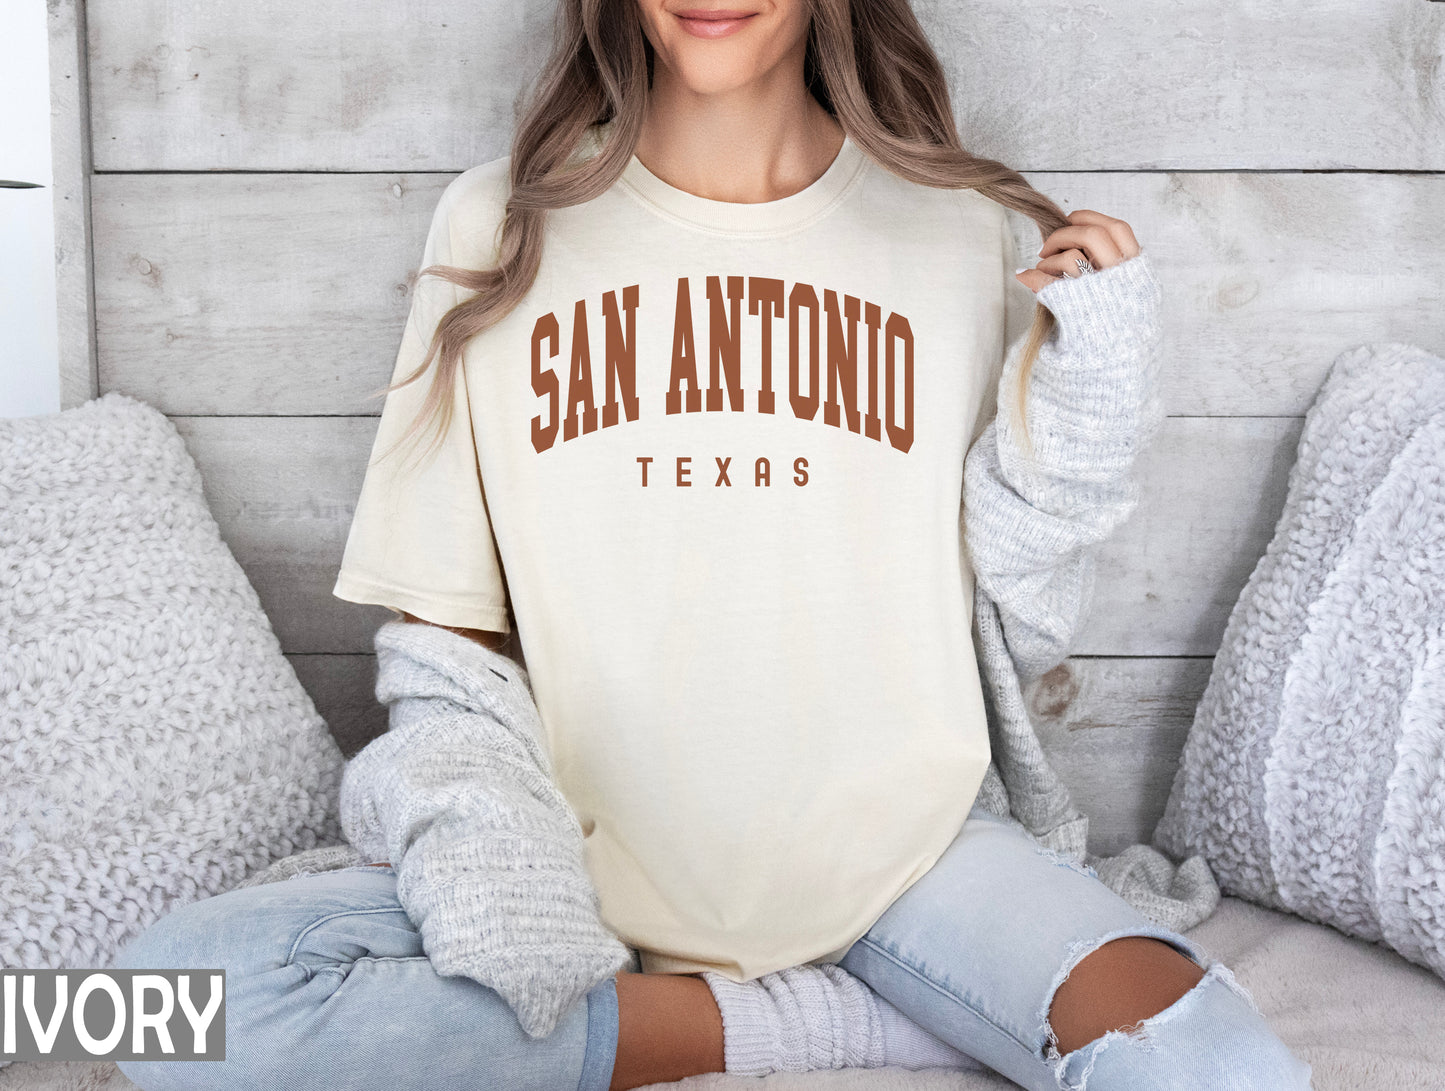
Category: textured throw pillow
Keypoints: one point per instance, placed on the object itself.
(1313, 778)
(155, 745)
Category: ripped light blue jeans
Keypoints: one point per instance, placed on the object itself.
(975, 949)
(328, 986)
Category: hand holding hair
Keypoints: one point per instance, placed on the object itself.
(1090, 237)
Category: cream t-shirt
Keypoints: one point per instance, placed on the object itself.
(711, 467)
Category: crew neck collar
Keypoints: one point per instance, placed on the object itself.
(788, 213)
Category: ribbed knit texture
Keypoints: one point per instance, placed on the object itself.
(820, 1016)
(459, 796)
(1092, 405)
(1032, 523)
(797, 1020)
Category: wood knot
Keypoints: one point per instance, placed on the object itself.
(1055, 691)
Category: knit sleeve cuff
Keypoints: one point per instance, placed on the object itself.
(1092, 398)
(1099, 311)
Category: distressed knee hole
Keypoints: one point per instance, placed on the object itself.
(1072, 1069)
(1082, 1055)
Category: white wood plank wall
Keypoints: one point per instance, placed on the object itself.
(263, 175)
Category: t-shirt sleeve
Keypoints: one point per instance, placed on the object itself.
(421, 537)
(1018, 315)
(1019, 300)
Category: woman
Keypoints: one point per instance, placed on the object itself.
(732, 315)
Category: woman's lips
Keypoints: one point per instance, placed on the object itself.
(703, 23)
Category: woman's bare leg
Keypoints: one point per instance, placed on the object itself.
(669, 1028)
(1119, 984)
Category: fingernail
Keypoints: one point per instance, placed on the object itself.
(1022, 269)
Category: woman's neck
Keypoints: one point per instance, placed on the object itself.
(733, 148)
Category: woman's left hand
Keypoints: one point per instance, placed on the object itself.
(1102, 240)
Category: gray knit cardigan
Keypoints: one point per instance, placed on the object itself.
(459, 795)
(1031, 525)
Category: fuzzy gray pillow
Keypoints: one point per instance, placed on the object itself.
(156, 746)
(1313, 778)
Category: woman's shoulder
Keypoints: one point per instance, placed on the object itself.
(470, 210)
(981, 204)
(475, 201)
(480, 191)
(930, 216)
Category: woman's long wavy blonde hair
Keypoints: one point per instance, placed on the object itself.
(868, 63)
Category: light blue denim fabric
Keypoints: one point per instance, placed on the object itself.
(327, 986)
(975, 949)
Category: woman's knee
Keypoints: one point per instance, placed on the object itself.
(194, 935)
(1118, 984)
(254, 929)
(272, 943)
(1211, 1033)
